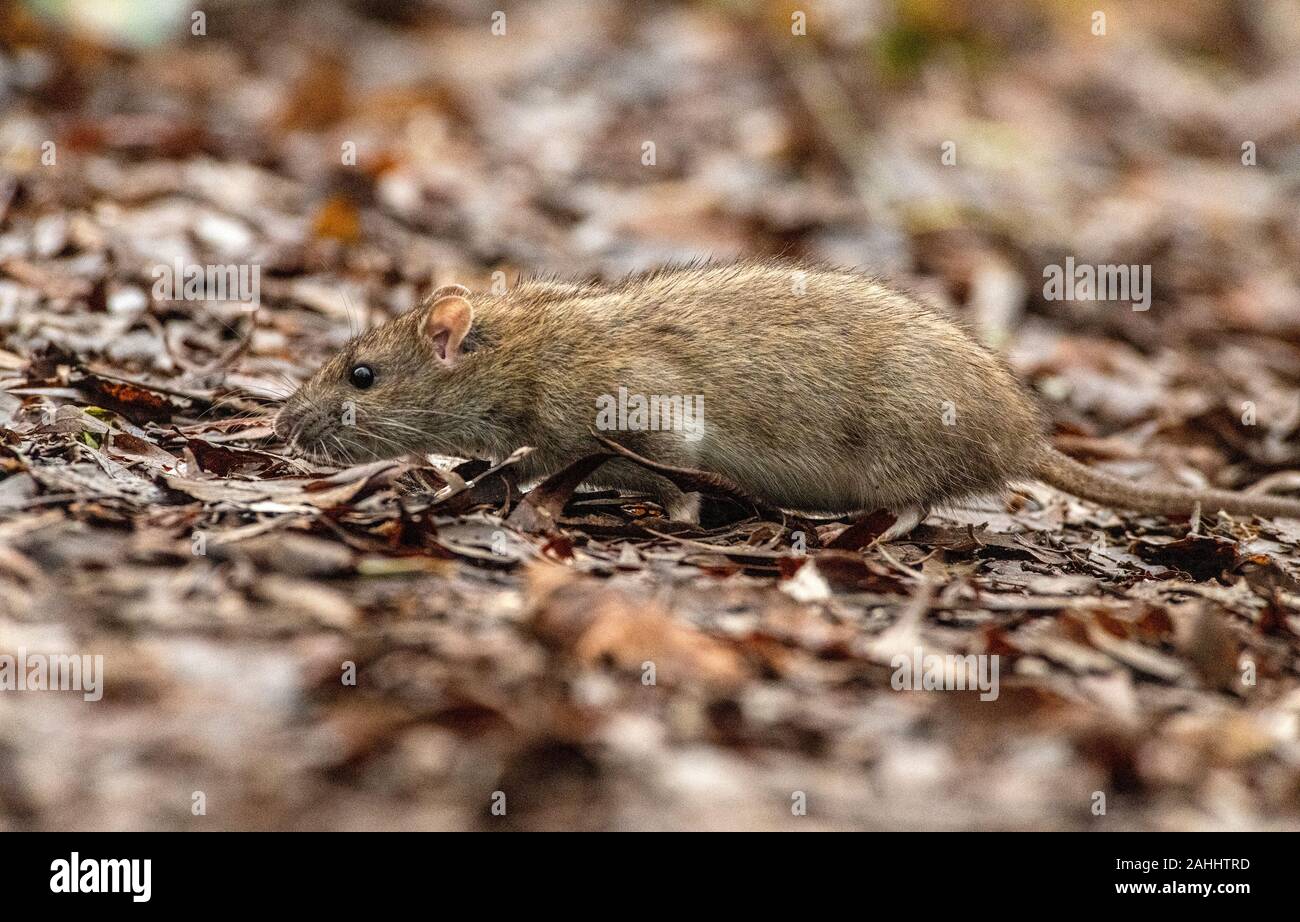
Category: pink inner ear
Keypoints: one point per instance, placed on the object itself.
(447, 323)
(440, 340)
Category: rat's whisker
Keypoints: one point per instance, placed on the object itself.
(383, 439)
(437, 413)
(354, 319)
(228, 400)
(293, 385)
(394, 424)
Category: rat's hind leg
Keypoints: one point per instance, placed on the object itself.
(624, 475)
(684, 507)
(908, 518)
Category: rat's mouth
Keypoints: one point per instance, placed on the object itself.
(315, 438)
(315, 450)
(321, 451)
(334, 449)
(308, 453)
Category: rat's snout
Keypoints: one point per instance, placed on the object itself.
(296, 422)
(311, 430)
(291, 422)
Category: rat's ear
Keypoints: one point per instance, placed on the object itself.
(446, 325)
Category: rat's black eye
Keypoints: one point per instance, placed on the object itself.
(361, 376)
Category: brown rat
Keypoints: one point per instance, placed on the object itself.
(817, 390)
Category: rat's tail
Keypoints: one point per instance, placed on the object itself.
(1069, 475)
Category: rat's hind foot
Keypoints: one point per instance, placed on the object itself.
(908, 518)
(683, 507)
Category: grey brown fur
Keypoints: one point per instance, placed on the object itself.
(823, 391)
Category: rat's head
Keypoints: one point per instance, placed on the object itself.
(403, 387)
